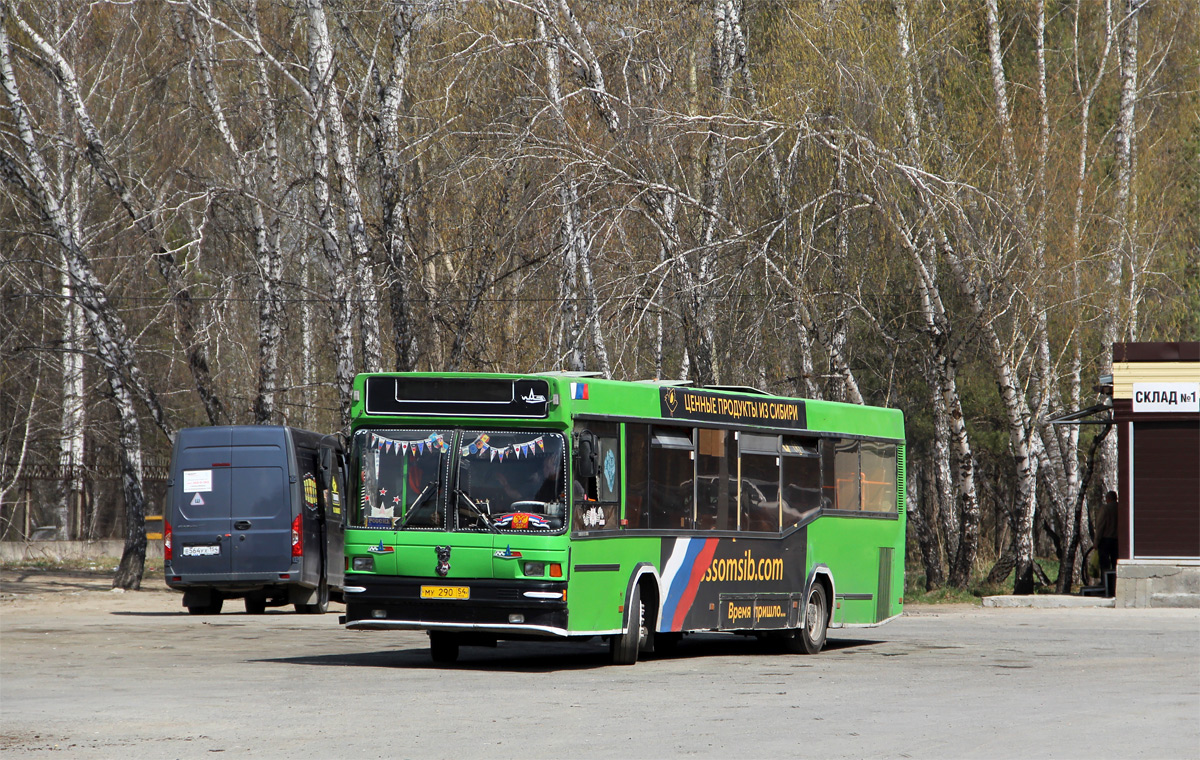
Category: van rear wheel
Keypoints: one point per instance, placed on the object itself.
(443, 647)
(256, 604)
(212, 608)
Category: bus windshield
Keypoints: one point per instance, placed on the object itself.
(500, 480)
(516, 479)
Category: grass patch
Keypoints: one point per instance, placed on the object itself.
(977, 588)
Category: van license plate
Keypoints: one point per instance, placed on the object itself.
(445, 592)
(203, 550)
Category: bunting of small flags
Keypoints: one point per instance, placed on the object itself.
(481, 447)
(434, 443)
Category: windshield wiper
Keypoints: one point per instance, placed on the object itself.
(462, 497)
(413, 509)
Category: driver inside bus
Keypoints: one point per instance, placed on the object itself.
(539, 483)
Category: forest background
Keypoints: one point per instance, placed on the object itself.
(218, 212)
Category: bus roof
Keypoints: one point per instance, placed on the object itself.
(463, 398)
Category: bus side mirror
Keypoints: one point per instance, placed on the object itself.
(585, 455)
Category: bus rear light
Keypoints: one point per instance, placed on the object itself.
(297, 537)
(167, 551)
(555, 570)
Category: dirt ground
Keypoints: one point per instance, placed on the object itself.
(89, 672)
(78, 592)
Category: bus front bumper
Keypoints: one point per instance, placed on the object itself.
(502, 607)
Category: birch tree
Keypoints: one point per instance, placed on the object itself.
(108, 331)
(163, 255)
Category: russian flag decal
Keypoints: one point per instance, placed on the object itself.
(579, 391)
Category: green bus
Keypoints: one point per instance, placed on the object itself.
(566, 506)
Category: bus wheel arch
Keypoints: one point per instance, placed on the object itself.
(640, 620)
(816, 614)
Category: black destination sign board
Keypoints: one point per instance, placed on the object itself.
(457, 397)
(689, 404)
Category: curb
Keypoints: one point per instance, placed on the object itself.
(1048, 601)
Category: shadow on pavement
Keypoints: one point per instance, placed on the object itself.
(548, 657)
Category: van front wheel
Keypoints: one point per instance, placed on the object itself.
(322, 605)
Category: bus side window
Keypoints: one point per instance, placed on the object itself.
(878, 476)
(800, 479)
(597, 500)
(672, 478)
(637, 477)
(840, 474)
(716, 480)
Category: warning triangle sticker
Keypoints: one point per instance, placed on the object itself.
(197, 500)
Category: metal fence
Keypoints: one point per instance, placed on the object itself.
(95, 510)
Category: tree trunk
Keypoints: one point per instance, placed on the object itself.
(922, 508)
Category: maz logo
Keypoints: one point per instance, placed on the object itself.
(533, 398)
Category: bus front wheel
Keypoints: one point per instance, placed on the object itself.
(810, 637)
(624, 647)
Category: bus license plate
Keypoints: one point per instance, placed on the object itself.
(202, 550)
(445, 592)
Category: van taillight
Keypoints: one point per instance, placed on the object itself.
(297, 538)
(166, 541)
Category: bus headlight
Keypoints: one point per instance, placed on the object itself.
(363, 564)
(535, 569)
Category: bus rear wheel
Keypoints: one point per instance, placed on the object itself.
(810, 637)
(443, 647)
(624, 647)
